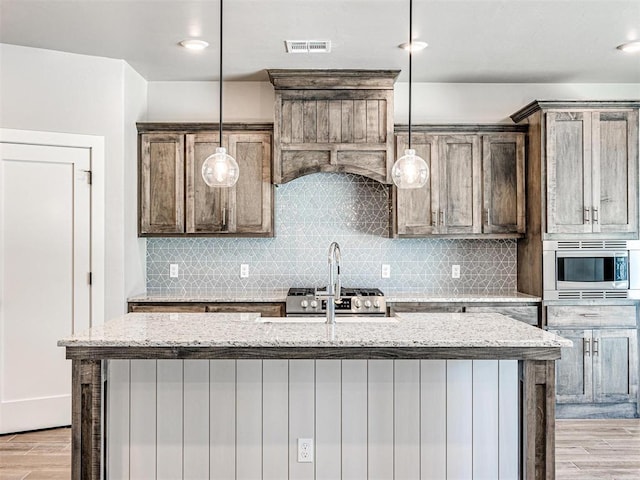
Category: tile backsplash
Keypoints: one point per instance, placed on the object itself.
(310, 213)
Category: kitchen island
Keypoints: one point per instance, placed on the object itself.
(417, 394)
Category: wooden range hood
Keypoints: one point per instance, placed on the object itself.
(333, 121)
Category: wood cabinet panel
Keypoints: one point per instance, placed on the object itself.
(574, 374)
(503, 183)
(527, 314)
(469, 175)
(161, 194)
(266, 309)
(416, 209)
(615, 182)
(615, 365)
(205, 205)
(460, 198)
(175, 200)
(579, 316)
(568, 172)
(251, 199)
(592, 172)
(333, 121)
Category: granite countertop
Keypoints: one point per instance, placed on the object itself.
(391, 296)
(432, 330)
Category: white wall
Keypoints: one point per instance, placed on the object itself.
(61, 92)
(135, 110)
(432, 102)
(198, 101)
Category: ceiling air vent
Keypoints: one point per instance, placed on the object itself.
(308, 46)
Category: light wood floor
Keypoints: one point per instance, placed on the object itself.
(585, 450)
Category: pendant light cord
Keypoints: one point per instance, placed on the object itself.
(410, 58)
(220, 79)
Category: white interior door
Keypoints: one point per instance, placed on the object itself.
(45, 248)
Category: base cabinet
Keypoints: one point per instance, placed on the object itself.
(598, 375)
(265, 309)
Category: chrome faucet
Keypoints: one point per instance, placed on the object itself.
(332, 294)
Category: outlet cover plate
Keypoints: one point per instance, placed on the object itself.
(244, 270)
(173, 270)
(305, 450)
(385, 272)
(455, 271)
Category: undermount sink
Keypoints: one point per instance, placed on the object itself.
(323, 320)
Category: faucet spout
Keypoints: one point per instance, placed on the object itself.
(334, 289)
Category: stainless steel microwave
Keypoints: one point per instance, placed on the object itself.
(591, 269)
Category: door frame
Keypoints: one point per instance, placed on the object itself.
(95, 145)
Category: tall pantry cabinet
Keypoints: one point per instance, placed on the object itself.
(582, 189)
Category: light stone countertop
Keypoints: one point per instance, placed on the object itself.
(392, 296)
(250, 330)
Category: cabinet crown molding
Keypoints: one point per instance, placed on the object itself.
(313, 79)
(536, 105)
(192, 127)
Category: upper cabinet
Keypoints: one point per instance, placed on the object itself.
(333, 121)
(174, 200)
(475, 187)
(585, 159)
(591, 171)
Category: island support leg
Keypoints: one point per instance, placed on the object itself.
(86, 420)
(538, 426)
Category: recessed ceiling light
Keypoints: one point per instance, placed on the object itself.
(414, 46)
(193, 44)
(630, 47)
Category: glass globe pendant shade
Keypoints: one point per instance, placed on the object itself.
(220, 169)
(410, 171)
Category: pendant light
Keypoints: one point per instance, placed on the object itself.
(410, 170)
(220, 169)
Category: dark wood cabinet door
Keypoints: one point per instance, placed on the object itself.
(161, 187)
(251, 199)
(569, 172)
(206, 207)
(615, 365)
(460, 187)
(503, 183)
(615, 175)
(416, 212)
(574, 370)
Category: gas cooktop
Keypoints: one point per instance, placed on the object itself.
(354, 301)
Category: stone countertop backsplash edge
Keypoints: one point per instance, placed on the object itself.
(280, 296)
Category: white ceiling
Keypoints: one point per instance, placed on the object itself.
(511, 41)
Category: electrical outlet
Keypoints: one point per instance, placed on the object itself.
(305, 450)
(386, 271)
(244, 270)
(455, 271)
(173, 270)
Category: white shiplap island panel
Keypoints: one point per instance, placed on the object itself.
(370, 419)
(227, 396)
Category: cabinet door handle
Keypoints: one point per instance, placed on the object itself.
(441, 218)
(595, 215)
(224, 217)
(587, 216)
(587, 346)
(434, 218)
(589, 314)
(488, 216)
(595, 346)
